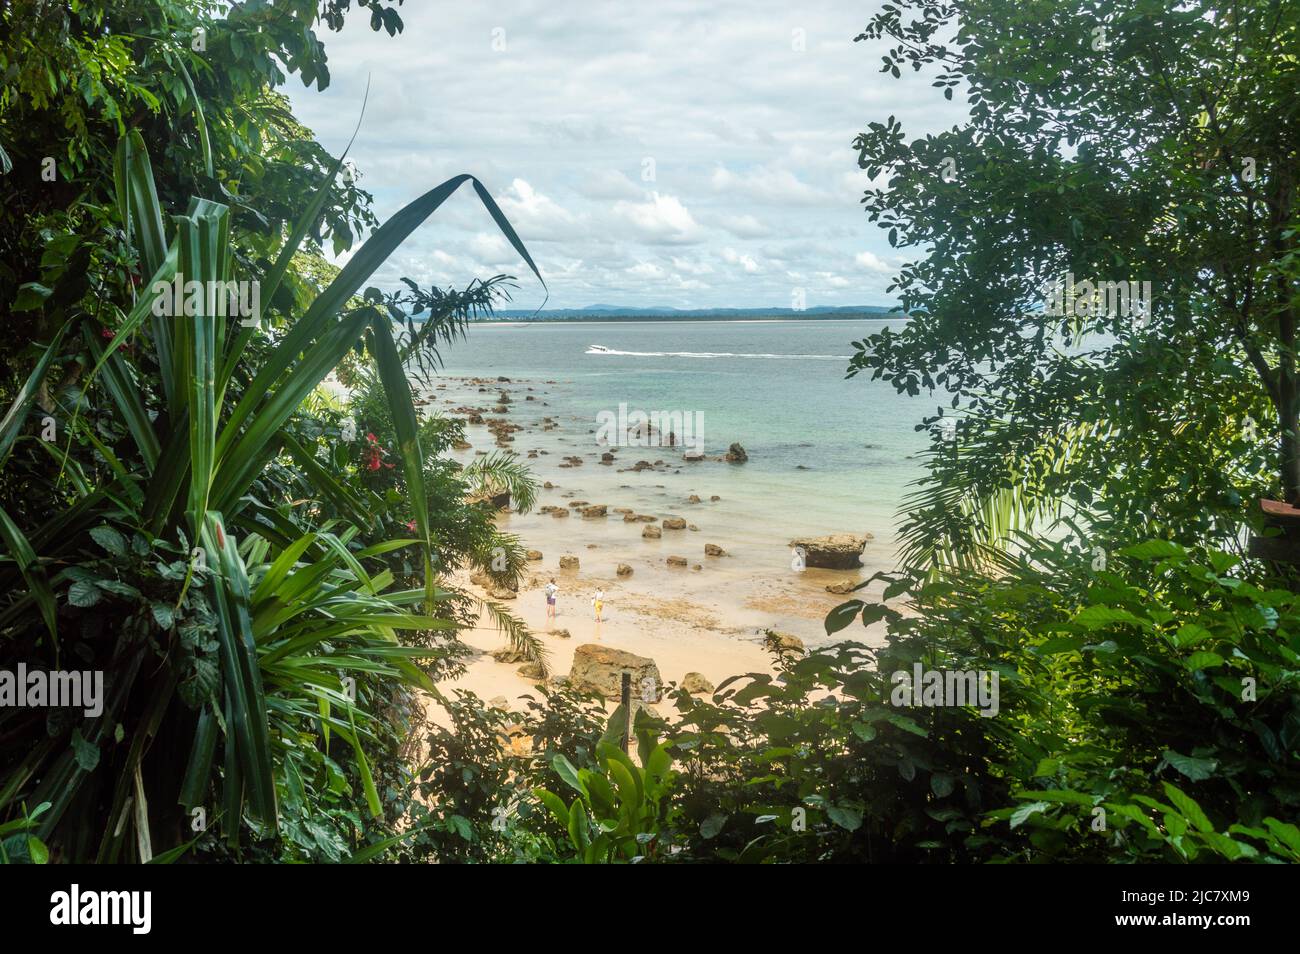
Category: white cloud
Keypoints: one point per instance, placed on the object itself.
(768, 185)
(744, 226)
(739, 258)
(872, 263)
(659, 219)
(755, 180)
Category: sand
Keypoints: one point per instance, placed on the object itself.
(707, 617)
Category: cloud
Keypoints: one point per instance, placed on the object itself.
(535, 216)
(768, 185)
(872, 263)
(660, 219)
(744, 226)
(746, 262)
(755, 178)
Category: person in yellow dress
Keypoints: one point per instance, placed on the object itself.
(597, 602)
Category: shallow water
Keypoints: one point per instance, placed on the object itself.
(826, 454)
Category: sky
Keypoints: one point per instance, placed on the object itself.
(673, 154)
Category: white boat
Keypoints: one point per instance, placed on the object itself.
(597, 349)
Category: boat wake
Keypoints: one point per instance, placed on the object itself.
(601, 349)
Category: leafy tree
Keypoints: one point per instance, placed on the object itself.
(1118, 141)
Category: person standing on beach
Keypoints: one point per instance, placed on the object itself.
(551, 591)
(597, 602)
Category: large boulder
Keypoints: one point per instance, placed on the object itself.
(783, 642)
(568, 563)
(532, 670)
(651, 533)
(694, 682)
(595, 510)
(599, 669)
(674, 523)
(839, 551)
(736, 454)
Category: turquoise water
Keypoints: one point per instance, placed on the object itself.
(826, 455)
(776, 387)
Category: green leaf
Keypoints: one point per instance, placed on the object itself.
(1096, 617)
(1023, 813)
(83, 593)
(564, 768)
(1153, 550)
(110, 540)
(850, 819)
(843, 615)
(1198, 770)
(163, 615)
(85, 753)
(712, 826)
(20, 550)
(16, 416)
(36, 851)
(1191, 811)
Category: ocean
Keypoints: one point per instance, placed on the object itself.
(826, 454)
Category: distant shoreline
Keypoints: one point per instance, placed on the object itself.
(515, 319)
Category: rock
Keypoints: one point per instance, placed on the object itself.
(694, 682)
(697, 567)
(559, 512)
(548, 486)
(712, 549)
(508, 656)
(842, 587)
(599, 669)
(839, 551)
(647, 517)
(598, 510)
(736, 454)
(715, 498)
(532, 670)
(623, 570)
(560, 633)
(676, 561)
(534, 554)
(693, 498)
(674, 523)
(629, 518)
(650, 533)
(501, 501)
(783, 642)
(461, 445)
(607, 458)
(502, 593)
(568, 563)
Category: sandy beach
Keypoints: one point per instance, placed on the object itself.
(697, 598)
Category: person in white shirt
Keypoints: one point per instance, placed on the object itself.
(597, 602)
(551, 591)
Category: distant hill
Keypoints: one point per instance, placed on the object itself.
(624, 313)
